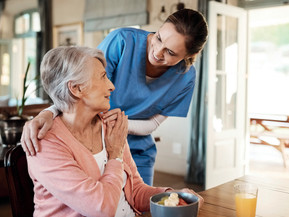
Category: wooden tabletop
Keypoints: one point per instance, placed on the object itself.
(272, 201)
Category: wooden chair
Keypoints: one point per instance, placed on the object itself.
(269, 135)
(20, 185)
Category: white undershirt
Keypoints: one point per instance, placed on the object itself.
(150, 79)
(145, 127)
(123, 207)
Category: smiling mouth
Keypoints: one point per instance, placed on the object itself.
(157, 59)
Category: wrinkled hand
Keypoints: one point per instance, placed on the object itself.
(110, 116)
(187, 190)
(34, 130)
(116, 135)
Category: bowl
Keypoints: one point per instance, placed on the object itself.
(190, 210)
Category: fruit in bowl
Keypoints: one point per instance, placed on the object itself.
(172, 200)
(174, 204)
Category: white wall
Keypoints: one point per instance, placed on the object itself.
(67, 11)
(154, 7)
(173, 147)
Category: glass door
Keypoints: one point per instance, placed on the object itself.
(226, 94)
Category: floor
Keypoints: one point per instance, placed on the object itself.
(267, 161)
(174, 181)
(5, 210)
(264, 161)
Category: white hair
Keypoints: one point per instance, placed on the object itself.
(63, 64)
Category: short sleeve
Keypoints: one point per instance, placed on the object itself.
(180, 105)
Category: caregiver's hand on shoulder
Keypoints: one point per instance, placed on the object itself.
(34, 130)
(116, 135)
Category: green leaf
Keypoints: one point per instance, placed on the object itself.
(23, 98)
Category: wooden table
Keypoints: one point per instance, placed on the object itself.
(272, 201)
(273, 198)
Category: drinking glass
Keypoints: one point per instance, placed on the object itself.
(245, 199)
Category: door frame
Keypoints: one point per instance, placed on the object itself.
(214, 177)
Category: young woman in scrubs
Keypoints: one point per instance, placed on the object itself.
(153, 77)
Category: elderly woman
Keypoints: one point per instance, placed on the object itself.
(85, 167)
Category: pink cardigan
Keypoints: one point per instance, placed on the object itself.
(67, 180)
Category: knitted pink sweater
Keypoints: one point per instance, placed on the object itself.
(67, 180)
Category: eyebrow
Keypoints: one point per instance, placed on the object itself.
(159, 36)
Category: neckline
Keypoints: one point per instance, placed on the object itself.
(76, 140)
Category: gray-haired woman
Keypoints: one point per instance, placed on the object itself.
(85, 167)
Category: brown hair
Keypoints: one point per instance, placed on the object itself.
(193, 26)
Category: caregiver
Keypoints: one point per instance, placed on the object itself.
(154, 78)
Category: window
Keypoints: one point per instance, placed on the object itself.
(23, 50)
(5, 67)
(269, 61)
(27, 23)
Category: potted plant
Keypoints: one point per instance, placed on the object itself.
(12, 122)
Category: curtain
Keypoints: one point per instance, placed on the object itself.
(2, 6)
(44, 38)
(45, 13)
(100, 15)
(197, 149)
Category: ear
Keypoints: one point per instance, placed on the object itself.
(74, 89)
(190, 59)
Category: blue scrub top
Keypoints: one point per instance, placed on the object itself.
(169, 95)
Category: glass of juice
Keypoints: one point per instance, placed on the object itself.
(245, 199)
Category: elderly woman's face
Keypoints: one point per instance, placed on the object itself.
(98, 92)
(166, 47)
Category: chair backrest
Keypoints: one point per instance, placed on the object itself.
(19, 183)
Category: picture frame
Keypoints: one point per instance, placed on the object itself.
(68, 35)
